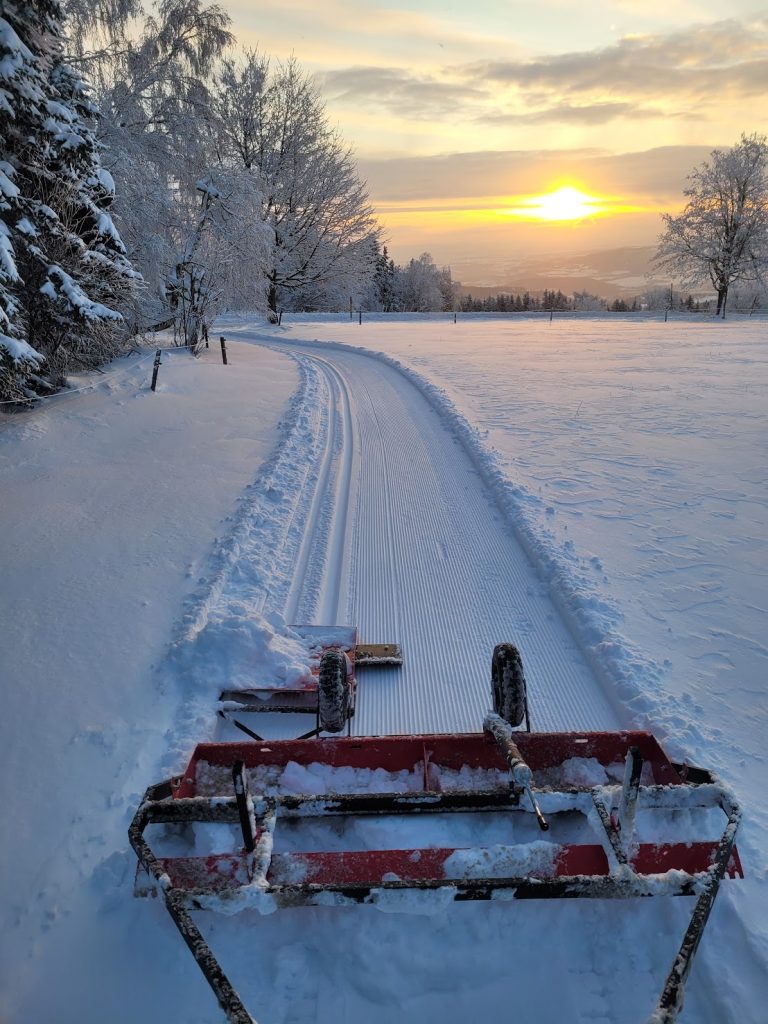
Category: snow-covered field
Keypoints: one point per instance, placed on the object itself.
(595, 490)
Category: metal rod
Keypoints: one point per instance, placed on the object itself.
(543, 823)
(629, 790)
(521, 776)
(671, 1000)
(308, 735)
(240, 782)
(223, 989)
(241, 727)
(610, 830)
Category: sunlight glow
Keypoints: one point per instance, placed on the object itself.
(556, 213)
(565, 203)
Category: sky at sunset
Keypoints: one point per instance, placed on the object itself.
(464, 113)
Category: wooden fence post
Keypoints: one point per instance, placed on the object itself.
(223, 350)
(155, 370)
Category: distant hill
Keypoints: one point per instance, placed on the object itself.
(610, 273)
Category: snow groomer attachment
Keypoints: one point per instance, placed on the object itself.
(512, 813)
(329, 691)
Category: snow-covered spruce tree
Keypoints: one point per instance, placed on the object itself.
(65, 272)
(384, 282)
(273, 120)
(722, 234)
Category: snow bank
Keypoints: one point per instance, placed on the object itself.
(234, 635)
(111, 498)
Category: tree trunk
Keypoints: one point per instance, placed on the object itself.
(722, 295)
(272, 298)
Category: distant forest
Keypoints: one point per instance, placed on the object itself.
(557, 301)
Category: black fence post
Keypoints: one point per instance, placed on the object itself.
(360, 317)
(280, 318)
(223, 350)
(155, 370)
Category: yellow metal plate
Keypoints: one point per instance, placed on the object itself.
(378, 654)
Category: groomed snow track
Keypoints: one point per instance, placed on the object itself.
(414, 548)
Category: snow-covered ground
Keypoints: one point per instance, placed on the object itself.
(592, 489)
(112, 502)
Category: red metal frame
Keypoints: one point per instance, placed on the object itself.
(450, 750)
(610, 867)
(416, 754)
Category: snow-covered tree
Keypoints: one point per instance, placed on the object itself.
(177, 112)
(273, 120)
(153, 82)
(383, 297)
(64, 271)
(722, 234)
(223, 257)
(419, 286)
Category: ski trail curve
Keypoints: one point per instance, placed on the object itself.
(432, 564)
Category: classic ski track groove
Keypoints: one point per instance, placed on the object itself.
(311, 552)
(333, 596)
(318, 591)
(437, 569)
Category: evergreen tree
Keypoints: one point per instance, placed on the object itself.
(384, 281)
(63, 269)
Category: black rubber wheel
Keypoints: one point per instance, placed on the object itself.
(334, 693)
(510, 697)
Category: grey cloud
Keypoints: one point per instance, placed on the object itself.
(396, 89)
(698, 63)
(590, 114)
(658, 174)
(644, 77)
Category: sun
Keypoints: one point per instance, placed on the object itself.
(565, 203)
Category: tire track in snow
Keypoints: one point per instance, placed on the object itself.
(435, 561)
